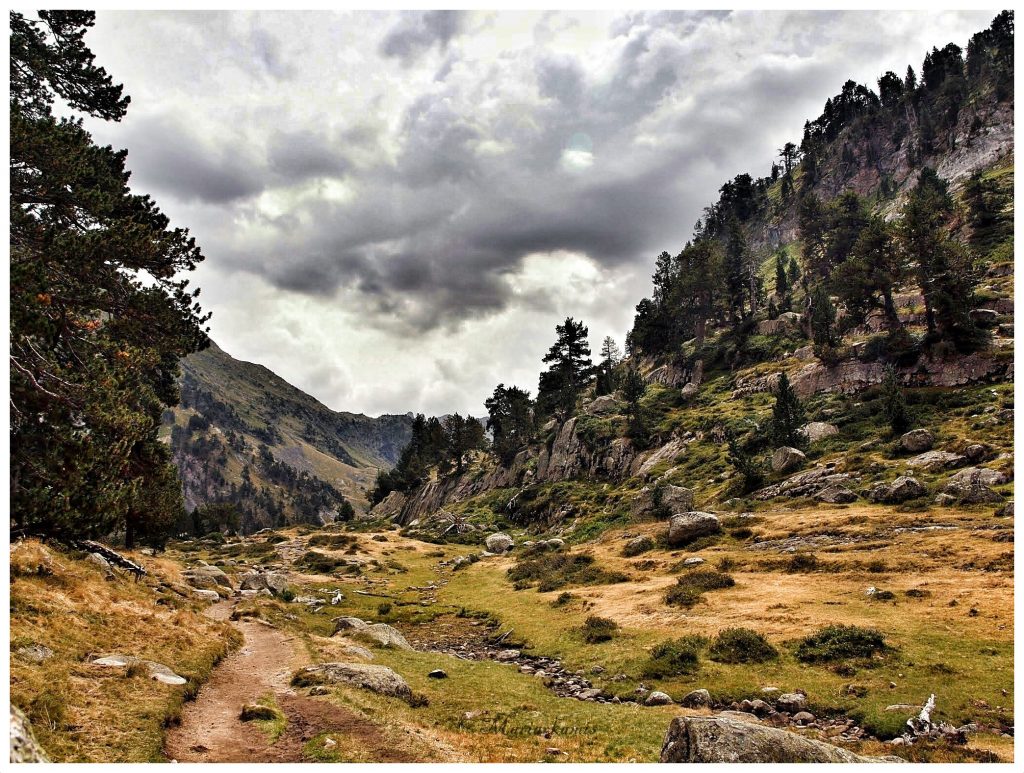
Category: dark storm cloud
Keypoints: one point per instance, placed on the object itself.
(417, 32)
(300, 154)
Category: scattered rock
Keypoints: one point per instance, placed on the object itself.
(382, 633)
(807, 483)
(34, 653)
(330, 743)
(438, 673)
(98, 561)
(786, 459)
(24, 747)
(693, 561)
(1006, 511)
(499, 543)
(696, 699)
(836, 494)
(792, 702)
(933, 461)
(917, 441)
(636, 546)
(900, 490)
(657, 698)
(973, 475)
(803, 717)
(206, 595)
(507, 655)
(319, 689)
(972, 486)
(257, 711)
(157, 671)
(818, 430)
(378, 679)
(686, 527)
(984, 317)
(724, 739)
(975, 452)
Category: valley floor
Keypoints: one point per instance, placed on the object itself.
(943, 598)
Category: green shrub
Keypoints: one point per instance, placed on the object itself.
(557, 570)
(741, 645)
(563, 598)
(321, 563)
(689, 588)
(331, 541)
(598, 629)
(674, 658)
(802, 562)
(841, 642)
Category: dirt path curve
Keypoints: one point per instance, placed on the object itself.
(210, 730)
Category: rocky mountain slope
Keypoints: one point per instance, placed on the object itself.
(583, 472)
(243, 435)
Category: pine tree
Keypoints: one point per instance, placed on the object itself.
(781, 280)
(570, 368)
(94, 351)
(510, 420)
(894, 404)
(633, 389)
(740, 457)
(823, 323)
(611, 356)
(788, 416)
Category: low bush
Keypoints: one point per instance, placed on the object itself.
(689, 588)
(321, 563)
(598, 629)
(674, 657)
(331, 541)
(558, 570)
(841, 642)
(741, 645)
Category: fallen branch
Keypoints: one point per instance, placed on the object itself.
(113, 557)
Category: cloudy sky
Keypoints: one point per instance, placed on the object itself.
(396, 209)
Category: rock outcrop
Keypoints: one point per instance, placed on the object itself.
(661, 500)
(382, 633)
(723, 739)
(786, 459)
(900, 490)
(917, 441)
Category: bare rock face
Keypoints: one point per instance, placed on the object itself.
(818, 430)
(686, 527)
(24, 747)
(933, 461)
(389, 507)
(723, 739)
(983, 475)
(786, 322)
(605, 404)
(917, 441)
(900, 490)
(379, 679)
(667, 498)
(786, 458)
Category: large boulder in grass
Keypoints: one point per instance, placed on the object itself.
(686, 527)
(818, 430)
(723, 739)
(382, 633)
(602, 405)
(379, 679)
(786, 459)
(917, 441)
(206, 577)
(973, 486)
(499, 543)
(902, 489)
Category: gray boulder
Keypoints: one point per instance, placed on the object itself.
(786, 459)
(818, 430)
(724, 739)
(792, 702)
(206, 577)
(697, 699)
(379, 679)
(974, 475)
(973, 486)
(204, 594)
(382, 633)
(657, 698)
(276, 584)
(900, 490)
(686, 527)
(836, 494)
(933, 461)
(24, 747)
(917, 441)
(499, 543)
(156, 671)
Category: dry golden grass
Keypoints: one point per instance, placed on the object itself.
(82, 712)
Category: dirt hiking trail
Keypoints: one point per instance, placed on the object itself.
(210, 728)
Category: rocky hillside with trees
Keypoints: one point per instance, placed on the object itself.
(253, 451)
(861, 290)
